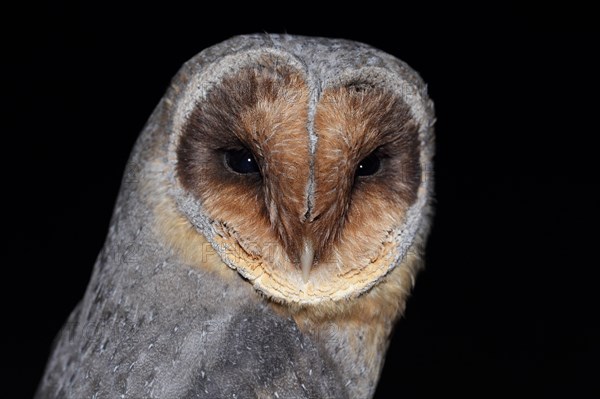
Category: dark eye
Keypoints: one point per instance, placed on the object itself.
(241, 161)
(368, 166)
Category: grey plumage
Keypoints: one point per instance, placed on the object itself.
(152, 325)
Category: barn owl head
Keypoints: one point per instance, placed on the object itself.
(304, 162)
(295, 167)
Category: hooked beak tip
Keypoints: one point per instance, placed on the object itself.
(306, 259)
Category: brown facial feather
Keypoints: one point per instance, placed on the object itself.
(265, 111)
(351, 124)
(265, 219)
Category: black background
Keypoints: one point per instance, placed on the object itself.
(508, 302)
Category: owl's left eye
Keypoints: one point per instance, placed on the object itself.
(241, 161)
(368, 166)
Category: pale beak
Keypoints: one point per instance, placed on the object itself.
(306, 259)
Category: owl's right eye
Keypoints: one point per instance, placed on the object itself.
(241, 161)
(368, 166)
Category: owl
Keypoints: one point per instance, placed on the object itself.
(268, 230)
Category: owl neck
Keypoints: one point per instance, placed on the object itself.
(356, 334)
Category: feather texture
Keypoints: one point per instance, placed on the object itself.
(283, 283)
